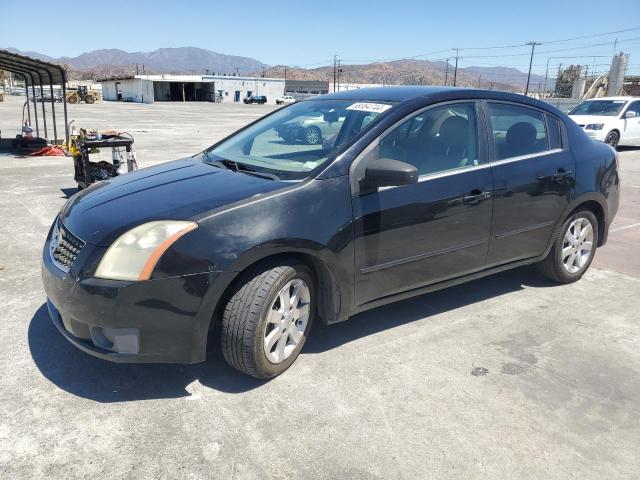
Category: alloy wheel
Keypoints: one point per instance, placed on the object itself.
(612, 139)
(312, 135)
(287, 320)
(577, 245)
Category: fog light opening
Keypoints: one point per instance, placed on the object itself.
(118, 340)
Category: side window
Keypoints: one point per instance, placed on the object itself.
(435, 140)
(555, 135)
(517, 130)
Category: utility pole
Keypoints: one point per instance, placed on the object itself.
(455, 72)
(285, 74)
(335, 62)
(480, 81)
(339, 71)
(533, 47)
(446, 72)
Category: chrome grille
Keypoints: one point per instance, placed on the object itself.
(64, 247)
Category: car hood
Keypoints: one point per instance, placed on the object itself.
(587, 119)
(178, 190)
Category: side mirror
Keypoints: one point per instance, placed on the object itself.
(630, 114)
(330, 117)
(386, 172)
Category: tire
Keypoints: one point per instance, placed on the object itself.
(612, 139)
(72, 99)
(312, 136)
(252, 318)
(554, 265)
(89, 99)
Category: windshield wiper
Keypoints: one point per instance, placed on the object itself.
(243, 168)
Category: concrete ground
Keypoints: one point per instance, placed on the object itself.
(505, 377)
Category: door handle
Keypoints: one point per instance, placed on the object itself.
(475, 197)
(559, 176)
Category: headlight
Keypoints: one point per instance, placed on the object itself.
(594, 126)
(134, 255)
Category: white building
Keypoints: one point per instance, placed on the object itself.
(341, 87)
(190, 88)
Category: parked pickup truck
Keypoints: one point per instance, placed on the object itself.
(285, 100)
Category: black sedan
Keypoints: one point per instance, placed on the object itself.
(420, 189)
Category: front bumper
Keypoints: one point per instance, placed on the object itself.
(165, 320)
(598, 135)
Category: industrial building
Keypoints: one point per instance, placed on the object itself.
(306, 87)
(190, 88)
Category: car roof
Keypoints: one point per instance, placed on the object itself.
(407, 93)
(612, 98)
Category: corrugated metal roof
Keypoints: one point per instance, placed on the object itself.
(35, 71)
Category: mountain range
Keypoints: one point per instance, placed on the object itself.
(163, 60)
(107, 62)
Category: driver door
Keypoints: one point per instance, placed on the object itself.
(414, 235)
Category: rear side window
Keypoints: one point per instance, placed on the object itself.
(555, 138)
(517, 130)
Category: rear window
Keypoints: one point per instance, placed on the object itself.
(517, 130)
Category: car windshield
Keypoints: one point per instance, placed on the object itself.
(296, 140)
(609, 108)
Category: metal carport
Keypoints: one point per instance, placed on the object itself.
(39, 73)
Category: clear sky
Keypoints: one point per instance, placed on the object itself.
(310, 32)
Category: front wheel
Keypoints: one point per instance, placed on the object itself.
(613, 138)
(573, 249)
(268, 318)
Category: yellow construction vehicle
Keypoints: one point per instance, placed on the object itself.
(82, 94)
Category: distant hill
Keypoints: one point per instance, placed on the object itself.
(414, 72)
(509, 75)
(36, 55)
(107, 62)
(163, 60)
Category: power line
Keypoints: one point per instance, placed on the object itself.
(392, 59)
(551, 51)
(592, 36)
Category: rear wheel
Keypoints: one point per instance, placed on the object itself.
(573, 249)
(613, 138)
(267, 319)
(89, 99)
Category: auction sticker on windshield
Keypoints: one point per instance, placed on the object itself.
(369, 107)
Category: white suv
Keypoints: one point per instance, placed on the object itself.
(612, 120)
(285, 100)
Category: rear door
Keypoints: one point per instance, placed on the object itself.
(534, 179)
(438, 228)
